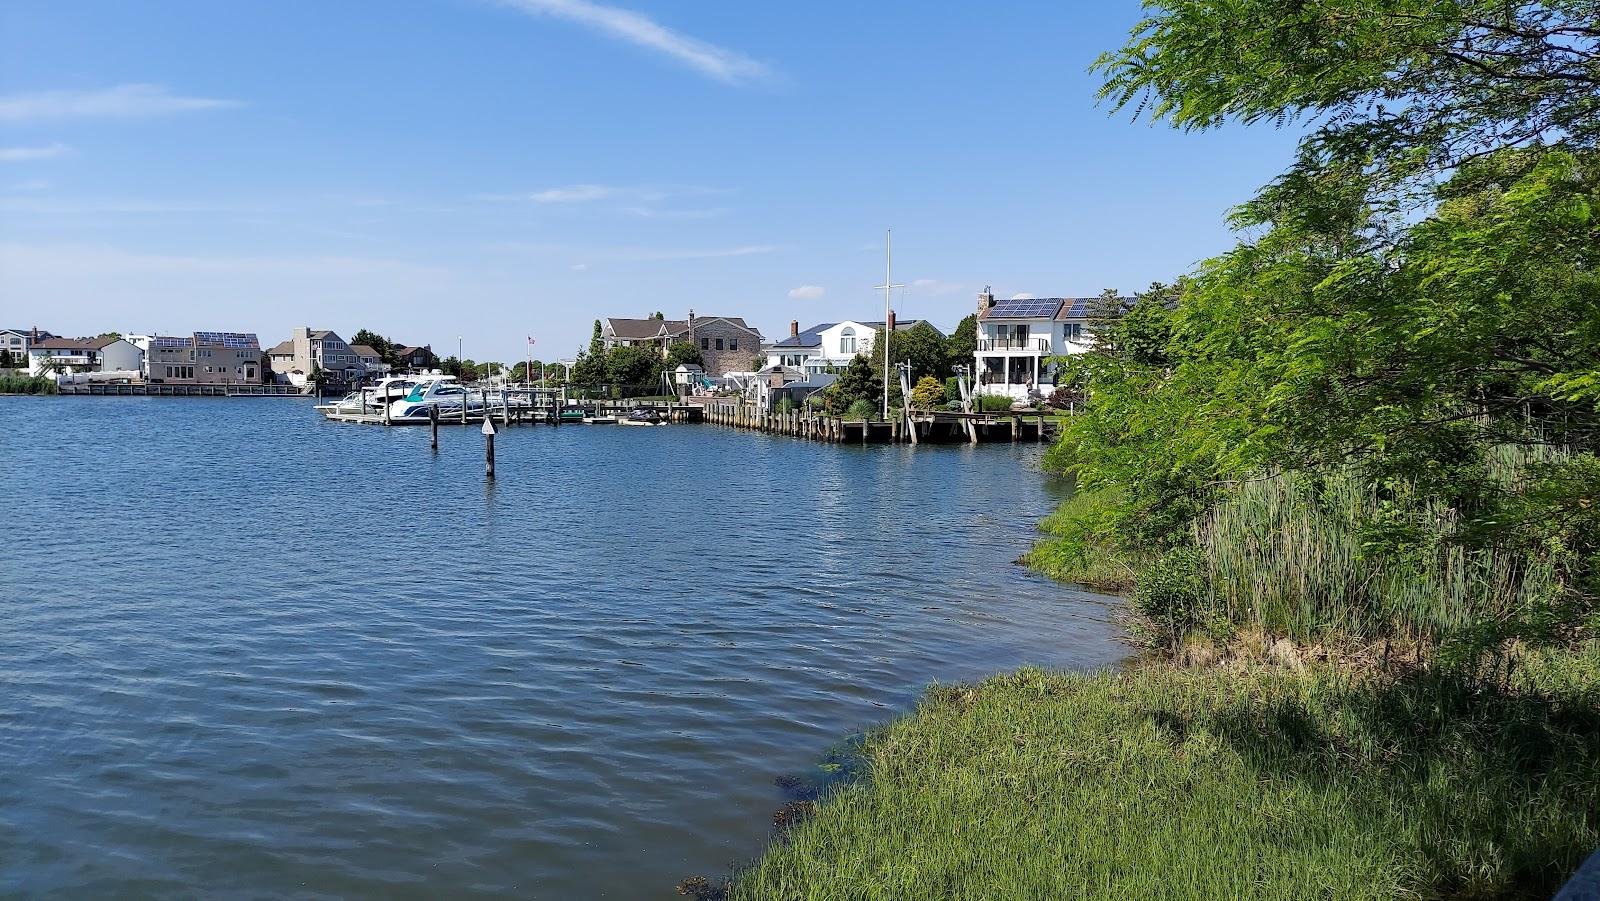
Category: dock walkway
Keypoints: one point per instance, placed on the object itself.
(920, 426)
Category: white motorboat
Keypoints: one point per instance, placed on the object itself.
(599, 420)
(436, 391)
(389, 389)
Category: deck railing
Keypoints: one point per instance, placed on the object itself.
(1037, 345)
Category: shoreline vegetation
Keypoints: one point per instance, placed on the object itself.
(27, 384)
(1347, 475)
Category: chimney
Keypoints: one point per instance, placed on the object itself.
(985, 300)
(691, 326)
(890, 322)
(794, 328)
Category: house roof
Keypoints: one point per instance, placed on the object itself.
(813, 382)
(319, 334)
(69, 344)
(233, 340)
(1058, 309)
(283, 347)
(103, 343)
(408, 351)
(25, 332)
(640, 329)
(811, 337)
(901, 325)
(364, 350)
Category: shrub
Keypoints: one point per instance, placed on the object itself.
(784, 406)
(952, 390)
(1172, 595)
(861, 409)
(927, 393)
(994, 403)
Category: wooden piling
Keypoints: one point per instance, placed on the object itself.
(433, 423)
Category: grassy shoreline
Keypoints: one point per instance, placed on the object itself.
(1243, 781)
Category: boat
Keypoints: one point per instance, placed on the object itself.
(642, 417)
(599, 420)
(441, 392)
(389, 389)
(572, 414)
(344, 406)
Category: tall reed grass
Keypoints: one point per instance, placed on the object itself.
(27, 384)
(1292, 554)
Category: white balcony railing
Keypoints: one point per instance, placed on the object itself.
(1033, 345)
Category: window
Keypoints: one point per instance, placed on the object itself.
(847, 341)
(719, 344)
(1072, 331)
(705, 343)
(733, 343)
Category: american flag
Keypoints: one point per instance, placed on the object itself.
(530, 339)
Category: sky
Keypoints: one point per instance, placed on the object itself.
(483, 171)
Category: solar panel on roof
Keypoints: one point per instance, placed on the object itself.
(1025, 308)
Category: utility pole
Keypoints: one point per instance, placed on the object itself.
(887, 287)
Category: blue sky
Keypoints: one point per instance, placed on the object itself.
(498, 168)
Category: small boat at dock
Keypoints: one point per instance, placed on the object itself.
(642, 417)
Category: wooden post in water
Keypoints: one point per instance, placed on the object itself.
(433, 423)
(488, 447)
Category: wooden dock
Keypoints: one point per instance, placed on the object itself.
(512, 414)
(931, 426)
(140, 389)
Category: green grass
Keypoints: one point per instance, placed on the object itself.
(23, 384)
(1288, 555)
(1076, 547)
(1167, 783)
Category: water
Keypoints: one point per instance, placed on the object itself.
(248, 653)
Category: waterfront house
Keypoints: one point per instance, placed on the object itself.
(829, 346)
(416, 359)
(1017, 338)
(200, 358)
(309, 351)
(727, 344)
(16, 341)
(64, 355)
(371, 359)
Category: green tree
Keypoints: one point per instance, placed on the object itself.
(923, 347)
(860, 381)
(384, 347)
(962, 343)
(684, 352)
(6, 361)
(111, 335)
(634, 367)
(1418, 293)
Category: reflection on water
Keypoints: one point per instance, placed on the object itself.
(249, 653)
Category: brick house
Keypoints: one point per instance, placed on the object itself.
(726, 343)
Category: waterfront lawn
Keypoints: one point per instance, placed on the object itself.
(1218, 783)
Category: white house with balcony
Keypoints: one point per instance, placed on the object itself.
(67, 355)
(1017, 338)
(829, 346)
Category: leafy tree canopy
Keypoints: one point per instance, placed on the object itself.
(1418, 296)
(1396, 91)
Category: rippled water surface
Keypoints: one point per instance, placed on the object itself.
(247, 653)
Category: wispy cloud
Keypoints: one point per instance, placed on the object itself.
(124, 101)
(592, 255)
(708, 59)
(807, 292)
(646, 212)
(573, 194)
(636, 255)
(927, 286)
(1022, 297)
(28, 154)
